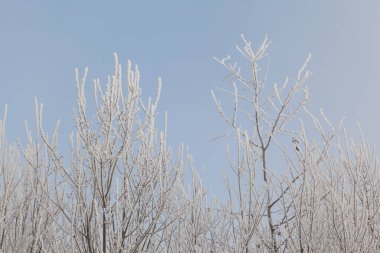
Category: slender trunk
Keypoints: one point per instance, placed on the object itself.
(269, 207)
(104, 232)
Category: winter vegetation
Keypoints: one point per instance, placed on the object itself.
(297, 183)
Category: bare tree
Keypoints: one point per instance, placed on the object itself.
(267, 112)
(121, 188)
(324, 198)
(116, 193)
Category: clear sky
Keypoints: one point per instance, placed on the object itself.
(41, 42)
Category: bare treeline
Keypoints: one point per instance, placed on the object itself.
(297, 183)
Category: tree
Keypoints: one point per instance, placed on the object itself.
(267, 113)
(325, 196)
(310, 188)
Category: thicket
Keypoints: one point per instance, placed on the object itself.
(121, 188)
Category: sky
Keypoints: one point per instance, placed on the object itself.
(42, 42)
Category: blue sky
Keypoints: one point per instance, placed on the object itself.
(41, 42)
